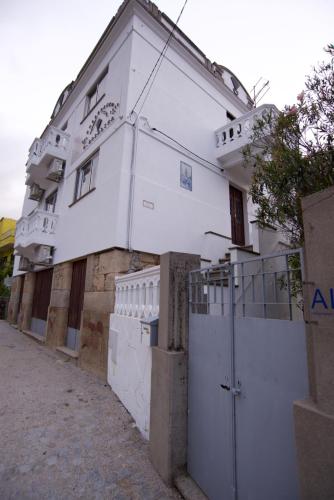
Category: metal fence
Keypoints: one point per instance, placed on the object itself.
(263, 287)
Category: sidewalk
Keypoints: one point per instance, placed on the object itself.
(63, 433)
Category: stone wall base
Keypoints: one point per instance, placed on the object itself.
(56, 329)
(168, 420)
(93, 354)
(14, 302)
(314, 432)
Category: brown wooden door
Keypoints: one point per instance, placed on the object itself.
(42, 293)
(77, 293)
(237, 216)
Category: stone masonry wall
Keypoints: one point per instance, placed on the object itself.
(24, 317)
(14, 302)
(59, 303)
(99, 302)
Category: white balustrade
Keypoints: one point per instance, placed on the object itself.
(53, 144)
(238, 133)
(138, 294)
(55, 138)
(37, 228)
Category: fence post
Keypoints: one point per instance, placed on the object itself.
(314, 418)
(168, 417)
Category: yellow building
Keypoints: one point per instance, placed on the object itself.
(7, 236)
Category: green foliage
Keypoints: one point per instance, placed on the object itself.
(5, 270)
(292, 154)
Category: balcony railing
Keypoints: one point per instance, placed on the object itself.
(138, 294)
(234, 136)
(38, 228)
(53, 144)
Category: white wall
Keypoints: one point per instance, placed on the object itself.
(187, 103)
(129, 368)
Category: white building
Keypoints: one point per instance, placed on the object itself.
(118, 171)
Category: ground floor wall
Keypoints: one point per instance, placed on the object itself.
(15, 299)
(98, 303)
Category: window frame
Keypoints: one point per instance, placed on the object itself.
(54, 195)
(81, 176)
(96, 91)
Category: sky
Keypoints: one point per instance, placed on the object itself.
(44, 44)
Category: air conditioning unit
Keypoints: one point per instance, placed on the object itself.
(25, 264)
(43, 255)
(36, 192)
(56, 170)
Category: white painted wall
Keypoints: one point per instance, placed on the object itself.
(187, 103)
(129, 368)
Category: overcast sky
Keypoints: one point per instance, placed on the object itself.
(44, 43)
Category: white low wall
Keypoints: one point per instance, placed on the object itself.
(130, 357)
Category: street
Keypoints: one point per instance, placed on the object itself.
(64, 434)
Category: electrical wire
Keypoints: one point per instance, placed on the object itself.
(184, 147)
(158, 62)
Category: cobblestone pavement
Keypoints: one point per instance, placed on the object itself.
(63, 433)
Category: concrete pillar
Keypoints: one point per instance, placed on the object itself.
(314, 418)
(168, 419)
(56, 329)
(24, 317)
(14, 301)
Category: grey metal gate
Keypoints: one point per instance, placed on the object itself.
(247, 364)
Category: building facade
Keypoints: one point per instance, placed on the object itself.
(126, 171)
(7, 235)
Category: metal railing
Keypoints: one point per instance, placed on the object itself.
(266, 287)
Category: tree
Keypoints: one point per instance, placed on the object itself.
(292, 153)
(6, 269)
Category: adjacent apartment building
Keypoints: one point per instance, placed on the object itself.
(124, 172)
(7, 233)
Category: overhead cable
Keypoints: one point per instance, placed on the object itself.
(157, 65)
(184, 147)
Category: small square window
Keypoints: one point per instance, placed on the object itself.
(186, 176)
(85, 177)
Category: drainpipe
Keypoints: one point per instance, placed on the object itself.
(135, 129)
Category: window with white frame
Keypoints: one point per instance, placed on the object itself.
(50, 202)
(85, 177)
(96, 92)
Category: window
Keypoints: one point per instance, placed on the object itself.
(96, 93)
(50, 202)
(229, 116)
(85, 177)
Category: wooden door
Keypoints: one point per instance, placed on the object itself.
(42, 293)
(237, 216)
(77, 294)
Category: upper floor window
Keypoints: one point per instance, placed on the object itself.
(50, 202)
(229, 116)
(85, 177)
(96, 92)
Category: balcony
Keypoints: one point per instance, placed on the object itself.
(44, 153)
(233, 137)
(35, 236)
